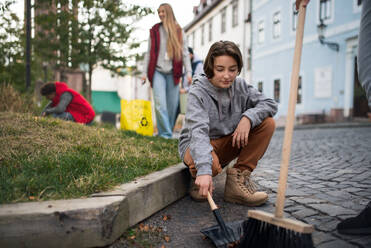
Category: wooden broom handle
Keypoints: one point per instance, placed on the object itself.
(286, 149)
(211, 201)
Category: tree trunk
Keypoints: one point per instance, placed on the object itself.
(89, 86)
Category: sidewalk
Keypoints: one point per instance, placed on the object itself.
(329, 180)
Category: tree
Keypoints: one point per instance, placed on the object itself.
(12, 45)
(99, 35)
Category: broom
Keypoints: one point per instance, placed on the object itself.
(265, 229)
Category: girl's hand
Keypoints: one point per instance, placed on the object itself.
(305, 3)
(241, 134)
(189, 78)
(182, 90)
(143, 78)
(205, 182)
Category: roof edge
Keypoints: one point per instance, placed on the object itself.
(202, 14)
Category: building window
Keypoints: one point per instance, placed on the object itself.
(277, 85)
(249, 59)
(223, 20)
(210, 29)
(204, 4)
(325, 9)
(294, 17)
(234, 13)
(260, 86)
(261, 32)
(276, 25)
(357, 6)
(202, 34)
(299, 98)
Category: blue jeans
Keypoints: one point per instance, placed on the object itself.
(64, 116)
(166, 96)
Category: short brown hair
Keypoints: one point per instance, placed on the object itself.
(220, 48)
(47, 89)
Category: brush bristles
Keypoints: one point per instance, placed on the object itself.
(262, 234)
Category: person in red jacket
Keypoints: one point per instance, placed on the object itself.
(66, 103)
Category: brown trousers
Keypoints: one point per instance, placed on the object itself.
(223, 152)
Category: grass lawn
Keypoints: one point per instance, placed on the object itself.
(46, 158)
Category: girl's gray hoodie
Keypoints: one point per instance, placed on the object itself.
(214, 112)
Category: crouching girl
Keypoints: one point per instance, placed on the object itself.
(225, 119)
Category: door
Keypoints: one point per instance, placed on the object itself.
(360, 104)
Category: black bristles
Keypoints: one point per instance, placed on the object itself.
(261, 234)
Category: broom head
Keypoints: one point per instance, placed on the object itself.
(265, 230)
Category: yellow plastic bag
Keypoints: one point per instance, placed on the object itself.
(136, 115)
(183, 102)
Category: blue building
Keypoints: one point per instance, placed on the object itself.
(328, 86)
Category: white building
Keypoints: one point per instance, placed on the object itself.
(216, 20)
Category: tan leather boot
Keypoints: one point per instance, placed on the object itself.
(193, 191)
(240, 189)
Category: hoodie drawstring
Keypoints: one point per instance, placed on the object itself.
(230, 95)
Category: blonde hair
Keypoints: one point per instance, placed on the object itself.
(174, 40)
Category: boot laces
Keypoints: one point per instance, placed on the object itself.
(251, 185)
(246, 183)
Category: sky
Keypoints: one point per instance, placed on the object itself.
(183, 10)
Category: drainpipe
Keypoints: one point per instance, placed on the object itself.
(251, 32)
(244, 38)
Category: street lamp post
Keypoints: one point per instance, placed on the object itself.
(321, 37)
(28, 44)
(45, 68)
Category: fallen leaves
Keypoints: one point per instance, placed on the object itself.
(143, 228)
(166, 217)
(167, 239)
(148, 234)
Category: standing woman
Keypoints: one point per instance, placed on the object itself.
(167, 52)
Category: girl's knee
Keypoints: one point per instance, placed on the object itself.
(269, 124)
(216, 167)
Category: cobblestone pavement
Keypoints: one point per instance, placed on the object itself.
(329, 180)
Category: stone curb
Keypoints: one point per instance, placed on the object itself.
(95, 221)
(328, 125)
